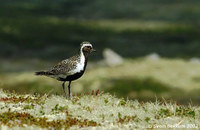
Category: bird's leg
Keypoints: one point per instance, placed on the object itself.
(69, 88)
(63, 85)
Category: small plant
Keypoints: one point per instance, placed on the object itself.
(122, 102)
(29, 106)
(185, 111)
(147, 119)
(42, 112)
(164, 112)
(58, 108)
(106, 101)
(119, 115)
(95, 93)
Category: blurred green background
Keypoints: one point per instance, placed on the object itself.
(36, 34)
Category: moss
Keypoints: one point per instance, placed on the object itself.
(122, 102)
(28, 106)
(106, 101)
(147, 119)
(23, 99)
(19, 119)
(58, 108)
(127, 119)
(60, 113)
(185, 111)
(164, 112)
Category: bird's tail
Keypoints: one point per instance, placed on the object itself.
(43, 73)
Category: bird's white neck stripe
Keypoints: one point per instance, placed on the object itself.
(82, 58)
(80, 64)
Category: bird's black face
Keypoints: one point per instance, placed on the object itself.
(88, 49)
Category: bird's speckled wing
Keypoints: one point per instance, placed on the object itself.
(64, 67)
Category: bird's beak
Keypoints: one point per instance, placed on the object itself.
(93, 50)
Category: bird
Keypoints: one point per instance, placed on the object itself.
(70, 69)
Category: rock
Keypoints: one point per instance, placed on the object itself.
(112, 58)
(195, 60)
(153, 56)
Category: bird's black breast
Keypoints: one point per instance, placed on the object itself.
(72, 77)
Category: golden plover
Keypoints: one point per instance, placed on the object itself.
(72, 68)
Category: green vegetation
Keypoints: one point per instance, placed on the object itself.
(53, 30)
(139, 85)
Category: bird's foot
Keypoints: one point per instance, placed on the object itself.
(69, 97)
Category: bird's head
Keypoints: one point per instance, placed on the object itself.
(86, 47)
